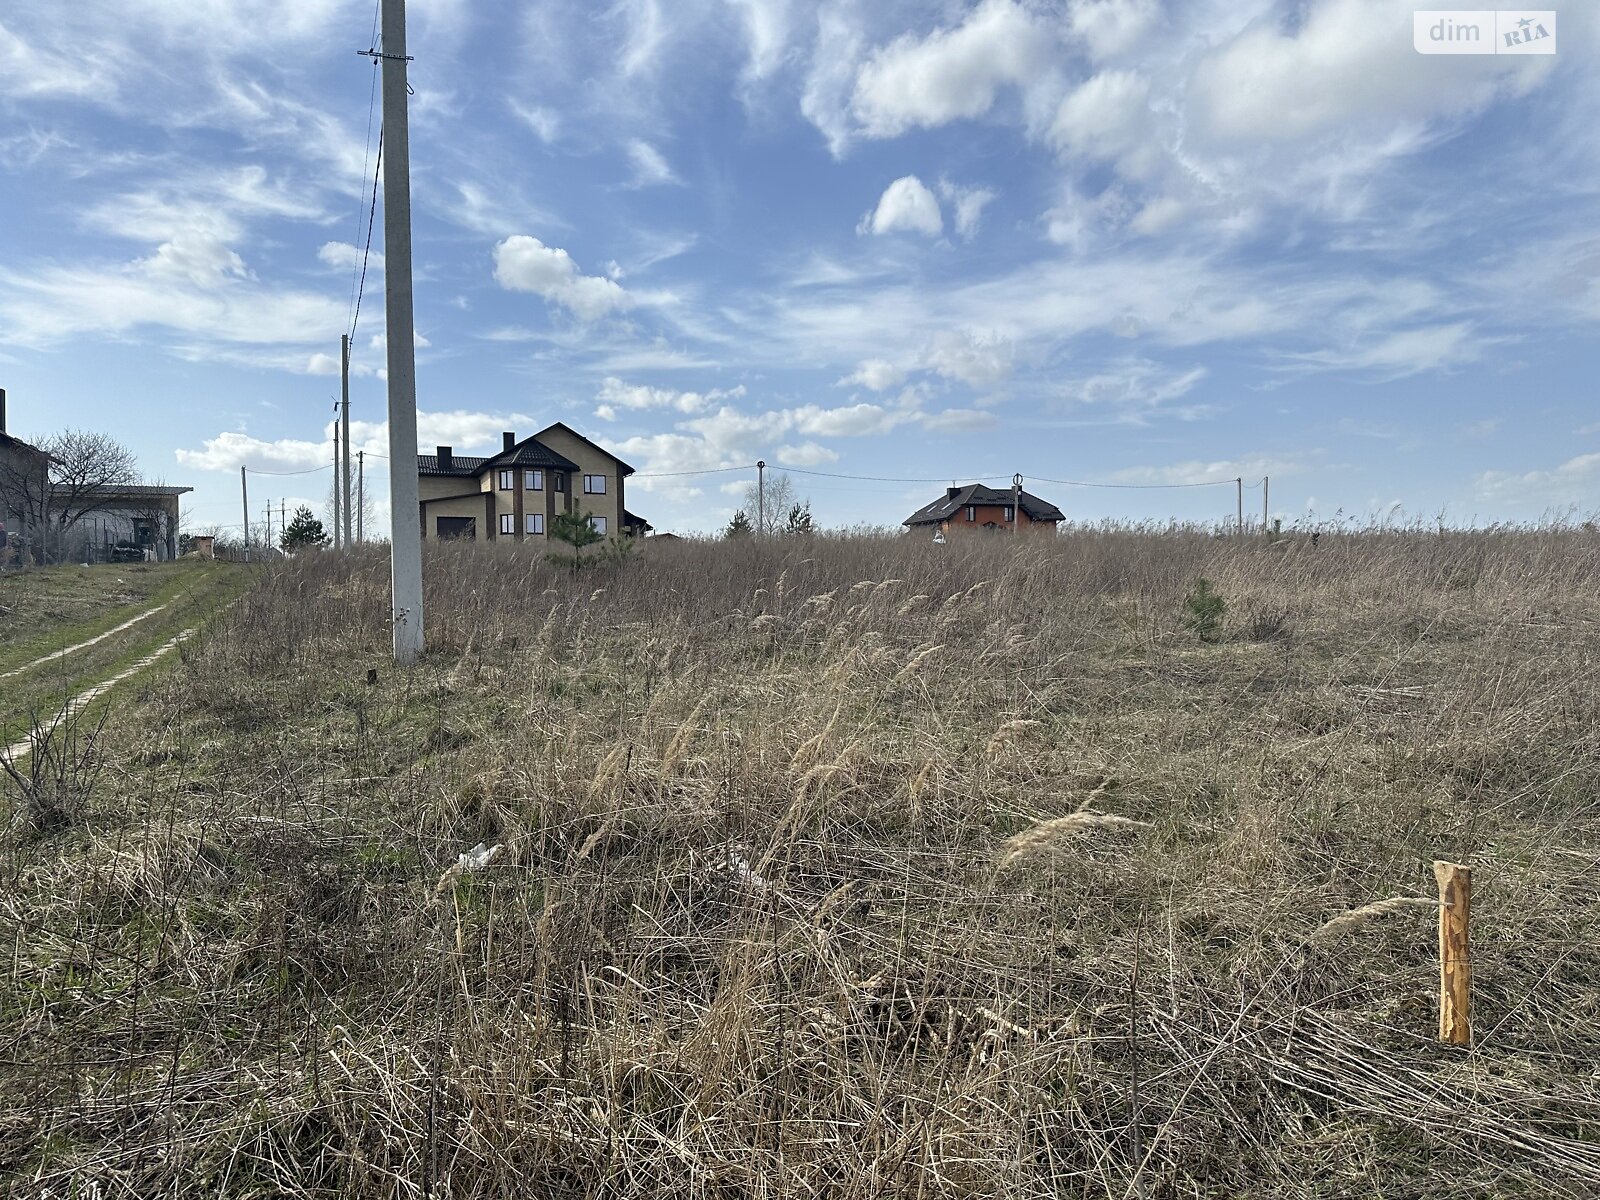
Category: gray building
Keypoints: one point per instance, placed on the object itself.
(24, 481)
(121, 517)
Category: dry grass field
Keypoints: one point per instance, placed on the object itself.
(831, 868)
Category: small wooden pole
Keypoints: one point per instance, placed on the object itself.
(1455, 953)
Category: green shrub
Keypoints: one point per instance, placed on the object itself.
(1202, 611)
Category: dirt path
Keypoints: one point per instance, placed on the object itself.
(84, 645)
(25, 746)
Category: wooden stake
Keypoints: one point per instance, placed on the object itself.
(1455, 953)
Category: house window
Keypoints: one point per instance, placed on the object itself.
(599, 524)
(535, 523)
(505, 480)
(508, 523)
(558, 480)
(594, 485)
(972, 512)
(533, 480)
(1008, 512)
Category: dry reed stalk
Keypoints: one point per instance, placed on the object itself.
(1009, 734)
(1349, 922)
(1047, 837)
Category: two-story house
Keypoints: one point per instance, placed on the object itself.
(517, 493)
(978, 507)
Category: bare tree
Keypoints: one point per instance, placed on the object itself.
(781, 497)
(83, 465)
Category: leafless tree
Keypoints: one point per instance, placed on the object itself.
(82, 465)
(781, 496)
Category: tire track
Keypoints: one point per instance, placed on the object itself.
(84, 645)
(84, 697)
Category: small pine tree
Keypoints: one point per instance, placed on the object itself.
(305, 530)
(738, 527)
(1202, 611)
(577, 531)
(799, 520)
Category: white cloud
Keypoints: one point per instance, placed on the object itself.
(1342, 62)
(1112, 27)
(1108, 118)
(646, 33)
(875, 373)
(1136, 386)
(197, 259)
(1158, 216)
(230, 451)
(545, 122)
(825, 95)
(951, 74)
(650, 169)
(960, 420)
(1400, 354)
(615, 394)
(854, 420)
(1196, 471)
(978, 360)
(906, 205)
(27, 70)
(525, 264)
(345, 256)
(803, 454)
(1573, 482)
(193, 286)
(767, 26)
(969, 203)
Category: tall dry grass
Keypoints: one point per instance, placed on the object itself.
(852, 867)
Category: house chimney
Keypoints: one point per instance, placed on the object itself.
(510, 440)
(447, 457)
(950, 493)
(2, 410)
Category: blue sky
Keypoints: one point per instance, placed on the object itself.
(1124, 241)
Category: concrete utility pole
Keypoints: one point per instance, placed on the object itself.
(405, 534)
(269, 524)
(361, 496)
(1266, 502)
(1016, 503)
(244, 491)
(335, 530)
(761, 498)
(344, 388)
(1239, 485)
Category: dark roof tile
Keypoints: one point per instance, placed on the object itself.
(947, 506)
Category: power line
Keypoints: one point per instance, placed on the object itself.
(983, 478)
(366, 252)
(366, 158)
(307, 471)
(706, 471)
(1081, 483)
(884, 478)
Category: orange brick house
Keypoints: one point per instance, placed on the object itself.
(976, 507)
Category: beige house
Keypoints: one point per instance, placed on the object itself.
(517, 493)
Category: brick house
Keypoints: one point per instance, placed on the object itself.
(517, 493)
(976, 507)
